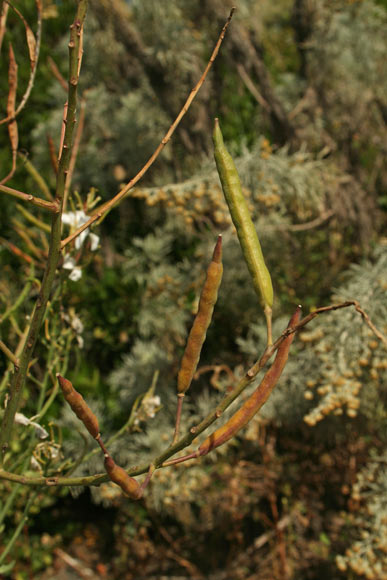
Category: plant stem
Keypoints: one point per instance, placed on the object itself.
(55, 237)
(106, 207)
(42, 203)
(99, 478)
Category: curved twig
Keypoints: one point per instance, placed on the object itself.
(31, 80)
(106, 207)
(187, 439)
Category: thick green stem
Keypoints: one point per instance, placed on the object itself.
(37, 317)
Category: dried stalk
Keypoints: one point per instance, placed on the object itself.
(42, 203)
(34, 63)
(106, 207)
(55, 237)
(187, 439)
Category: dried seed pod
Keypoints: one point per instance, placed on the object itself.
(118, 475)
(202, 320)
(240, 215)
(252, 405)
(79, 406)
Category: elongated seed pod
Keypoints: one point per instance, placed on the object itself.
(252, 405)
(118, 475)
(240, 215)
(202, 320)
(79, 406)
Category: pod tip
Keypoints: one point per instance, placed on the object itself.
(217, 255)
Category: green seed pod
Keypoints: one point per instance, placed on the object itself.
(202, 320)
(252, 405)
(118, 475)
(79, 406)
(243, 223)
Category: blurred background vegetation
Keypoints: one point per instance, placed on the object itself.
(300, 89)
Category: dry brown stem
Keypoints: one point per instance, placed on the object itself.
(106, 207)
(34, 49)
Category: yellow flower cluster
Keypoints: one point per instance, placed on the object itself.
(339, 386)
(367, 556)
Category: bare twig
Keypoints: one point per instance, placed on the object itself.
(370, 324)
(12, 125)
(78, 566)
(106, 207)
(318, 221)
(51, 206)
(57, 74)
(252, 87)
(180, 398)
(186, 440)
(53, 157)
(74, 153)
(39, 310)
(17, 251)
(3, 21)
(25, 97)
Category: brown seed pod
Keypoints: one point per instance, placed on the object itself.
(79, 406)
(252, 405)
(202, 320)
(118, 475)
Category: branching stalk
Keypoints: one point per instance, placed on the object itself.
(55, 236)
(106, 207)
(42, 203)
(187, 439)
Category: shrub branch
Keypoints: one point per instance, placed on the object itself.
(39, 310)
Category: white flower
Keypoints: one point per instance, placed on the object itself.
(151, 405)
(76, 219)
(34, 464)
(39, 430)
(76, 324)
(70, 264)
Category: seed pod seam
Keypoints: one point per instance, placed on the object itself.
(202, 320)
(79, 406)
(252, 405)
(241, 218)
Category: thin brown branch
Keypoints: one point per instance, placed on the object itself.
(76, 565)
(42, 203)
(186, 440)
(75, 150)
(318, 221)
(3, 21)
(252, 87)
(12, 125)
(269, 352)
(31, 80)
(17, 251)
(38, 313)
(19, 228)
(370, 324)
(57, 74)
(106, 207)
(53, 157)
(63, 130)
(180, 398)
